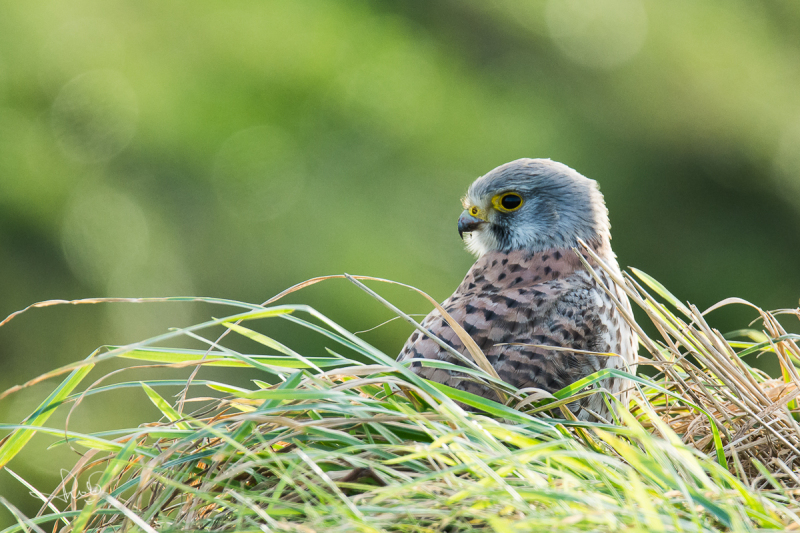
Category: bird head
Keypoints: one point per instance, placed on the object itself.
(533, 205)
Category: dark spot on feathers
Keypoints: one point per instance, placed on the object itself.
(547, 270)
(442, 352)
(545, 257)
(470, 286)
(501, 276)
(511, 303)
(416, 364)
(557, 255)
(488, 314)
(415, 336)
(470, 309)
(504, 262)
(518, 280)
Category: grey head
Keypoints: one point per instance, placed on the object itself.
(534, 205)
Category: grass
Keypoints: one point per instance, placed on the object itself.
(353, 441)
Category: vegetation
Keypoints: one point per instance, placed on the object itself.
(183, 148)
(354, 441)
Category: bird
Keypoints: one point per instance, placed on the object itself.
(528, 301)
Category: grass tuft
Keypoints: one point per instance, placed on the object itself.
(354, 441)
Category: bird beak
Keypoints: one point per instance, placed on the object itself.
(468, 223)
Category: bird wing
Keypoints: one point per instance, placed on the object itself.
(516, 323)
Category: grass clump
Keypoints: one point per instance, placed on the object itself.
(354, 441)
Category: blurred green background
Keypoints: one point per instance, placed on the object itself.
(234, 149)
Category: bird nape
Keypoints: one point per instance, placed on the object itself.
(528, 299)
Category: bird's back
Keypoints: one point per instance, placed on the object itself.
(532, 315)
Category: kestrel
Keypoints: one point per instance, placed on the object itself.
(528, 290)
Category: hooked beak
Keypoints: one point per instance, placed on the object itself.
(468, 223)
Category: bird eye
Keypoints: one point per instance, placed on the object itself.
(508, 202)
(474, 211)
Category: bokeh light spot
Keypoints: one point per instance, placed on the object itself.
(94, 116)
(259, 173)
(103, 231)
(600, 34)
(163, 274)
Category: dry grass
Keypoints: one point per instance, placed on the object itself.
(357, 442)
(755, 414)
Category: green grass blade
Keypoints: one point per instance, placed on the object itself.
(165, 408)
(222, 359)
(269, 342)
(661, 291)
(13, 443)
(113, 469)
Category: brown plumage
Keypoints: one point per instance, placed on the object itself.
(529, 287)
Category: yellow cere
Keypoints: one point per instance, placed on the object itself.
(477, 212)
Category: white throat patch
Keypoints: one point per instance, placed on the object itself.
(480, 241)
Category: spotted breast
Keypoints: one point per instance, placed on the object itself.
(539, 300)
